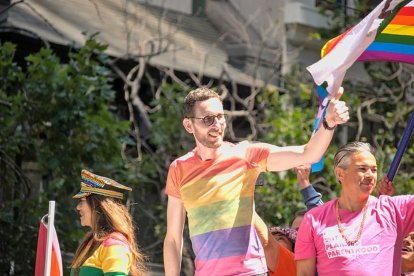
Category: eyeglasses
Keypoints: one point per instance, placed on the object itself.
(210, 119)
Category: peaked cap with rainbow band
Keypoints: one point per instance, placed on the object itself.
(95, 184)
(288, 232)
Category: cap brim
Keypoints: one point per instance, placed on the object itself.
(81, 194)
(115, 184)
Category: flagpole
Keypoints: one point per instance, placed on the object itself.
(50, 223)
(323, 101)
(401, 148)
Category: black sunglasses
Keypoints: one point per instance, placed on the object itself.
(209, 119)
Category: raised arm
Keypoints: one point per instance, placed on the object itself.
(302, 175)
(310, 196)
(173, 242)
(284, 158)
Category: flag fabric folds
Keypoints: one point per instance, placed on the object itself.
(395, 38)
(56, 268)
(342, 51)
(386, 34)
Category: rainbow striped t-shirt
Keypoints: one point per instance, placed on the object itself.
(218, 196)
(113, 257)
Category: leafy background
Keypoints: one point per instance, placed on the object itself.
(59, 115)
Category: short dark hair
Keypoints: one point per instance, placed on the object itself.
(341, 158)
(197, 95)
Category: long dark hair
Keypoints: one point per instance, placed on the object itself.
(108, 215)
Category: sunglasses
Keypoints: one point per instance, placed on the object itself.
(210, 119)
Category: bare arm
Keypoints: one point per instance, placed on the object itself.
(306, 267)
(173, 242)
(269, 243)
(337, 113)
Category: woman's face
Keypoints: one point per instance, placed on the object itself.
(85, 212)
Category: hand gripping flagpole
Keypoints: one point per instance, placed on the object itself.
(50, 223)
(401, 148)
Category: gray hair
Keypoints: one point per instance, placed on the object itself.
(341, 158)
(197, 95)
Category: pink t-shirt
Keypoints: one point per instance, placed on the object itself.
(377, 252)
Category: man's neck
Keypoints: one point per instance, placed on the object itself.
(206, 154)
(351, 203)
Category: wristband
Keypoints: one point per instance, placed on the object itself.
(325, 124)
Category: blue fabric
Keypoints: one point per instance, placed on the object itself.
(311, 197)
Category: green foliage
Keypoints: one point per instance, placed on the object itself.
(56, 115)
(342, 16)
(168, 141)
(168, 120)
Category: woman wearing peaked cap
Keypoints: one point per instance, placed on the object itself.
(109, 248)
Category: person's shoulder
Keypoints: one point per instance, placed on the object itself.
(400, 197)
(188, 157)
(115, 238)
(227, 144)
(385, 200)
(253, 145)
(241, 148)
(247, 143)
(114, 244)
(229, 148)
(321, 209)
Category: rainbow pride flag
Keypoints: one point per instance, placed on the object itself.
(395, 37)
(394, 40)
(386, 34)
(330, 45)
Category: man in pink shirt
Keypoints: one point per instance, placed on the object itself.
(355, 234)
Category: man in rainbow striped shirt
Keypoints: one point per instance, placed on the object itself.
(214, 185)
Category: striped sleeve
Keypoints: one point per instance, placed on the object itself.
(116, 258)
(257, 153)
(173, 187)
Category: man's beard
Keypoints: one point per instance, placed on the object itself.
(210, 144)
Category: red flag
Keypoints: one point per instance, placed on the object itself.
(56, 261)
